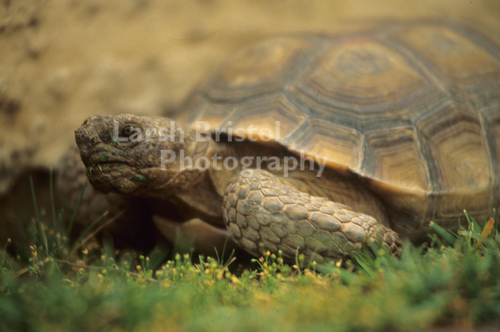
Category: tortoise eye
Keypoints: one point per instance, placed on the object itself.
(126, 131)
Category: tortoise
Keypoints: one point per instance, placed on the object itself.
(316, 144)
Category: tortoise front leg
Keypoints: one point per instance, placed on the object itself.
(262, 213)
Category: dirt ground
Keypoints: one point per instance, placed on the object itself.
(63, 60)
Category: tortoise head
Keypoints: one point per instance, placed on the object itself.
(136, 155)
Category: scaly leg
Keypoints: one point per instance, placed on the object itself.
(262, 213)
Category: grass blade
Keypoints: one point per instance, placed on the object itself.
(54, 216)
(61, 222)
(37, 218)
(86, 231)
(76, 208)
(448, 237)
(77, 245)
(219, 261)
(224, 247)
(230, 258)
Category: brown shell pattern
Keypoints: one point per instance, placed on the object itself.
(413, 110)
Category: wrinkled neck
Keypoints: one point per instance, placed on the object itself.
(225, 161)
(230, 158)
(211, 162)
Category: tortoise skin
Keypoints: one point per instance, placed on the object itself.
(409, 111)
(262, 213)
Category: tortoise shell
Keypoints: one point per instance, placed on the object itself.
(410, 110)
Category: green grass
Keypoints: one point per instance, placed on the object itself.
(454, 282)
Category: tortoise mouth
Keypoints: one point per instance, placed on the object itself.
(108, 166)
(101, 156)
(115, 177)
(107, 169)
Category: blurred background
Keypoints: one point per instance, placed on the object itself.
(61, 61)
